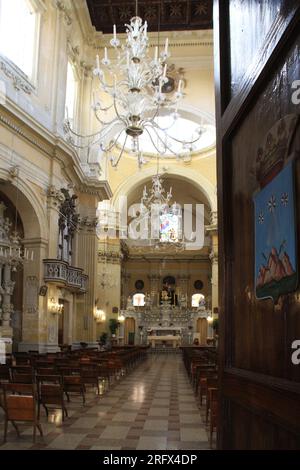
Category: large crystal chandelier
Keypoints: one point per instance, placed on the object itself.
(132, 87)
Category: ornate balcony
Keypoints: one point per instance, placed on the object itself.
(62, 274)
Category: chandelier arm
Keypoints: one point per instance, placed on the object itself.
(99, 135)
(154, 115)
(163, 129)
(154, 144)
(174, 138)
(115, 164)
(105, 123)
(84, 147)
(164, 144)
(114, 142)
(117, 113)
(89, 136)
(104, 110)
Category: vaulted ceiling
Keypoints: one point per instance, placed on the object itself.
(165, 15)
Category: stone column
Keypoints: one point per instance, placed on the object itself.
(212, 231)
(36, 320)
(109, 261)
(86, 251)
(125, 277)
(7, 307)
(184, 289)
(155, 281)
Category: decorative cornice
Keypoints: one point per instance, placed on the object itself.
(111, 256)
(55, 147)
(102, 190)
(24, 132)
(19, 80)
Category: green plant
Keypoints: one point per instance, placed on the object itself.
(215, 325)
(103, 339)
(113, 325)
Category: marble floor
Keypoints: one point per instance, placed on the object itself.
(152, 408)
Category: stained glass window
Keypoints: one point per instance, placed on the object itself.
(170, 227)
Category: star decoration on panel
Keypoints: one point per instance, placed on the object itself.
(261, 218)
(285, 199)
(272, 204)
(201, 8)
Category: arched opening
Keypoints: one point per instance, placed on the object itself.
(20, 280)
(129, 331)
(10, 222)
(198, 300)
(202, 330)
(139, 300)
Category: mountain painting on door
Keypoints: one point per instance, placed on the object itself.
(275, 237)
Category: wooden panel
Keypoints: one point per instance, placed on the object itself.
(170, 15)
(257, 17)
(260, 387)
(263, 342)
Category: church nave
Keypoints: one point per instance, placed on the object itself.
(153, 407)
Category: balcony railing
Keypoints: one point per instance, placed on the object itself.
(61, 273)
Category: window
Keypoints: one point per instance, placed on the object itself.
(139, 300)
(198, 300)
(19, 27)
(70, 94)
(184, 128)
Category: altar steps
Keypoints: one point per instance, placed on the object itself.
(164, 350)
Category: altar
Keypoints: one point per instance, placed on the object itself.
(175, 341)
(164, 336)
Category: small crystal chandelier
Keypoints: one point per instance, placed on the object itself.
(134, 84)
(12, 252)
(157, 202)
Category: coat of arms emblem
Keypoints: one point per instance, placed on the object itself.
(276, 270)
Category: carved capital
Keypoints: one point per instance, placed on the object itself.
(55, 196)
(88, 223)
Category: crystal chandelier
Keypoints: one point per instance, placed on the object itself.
(156, 208)
(12, 253)
(107, 279)
(133, 86)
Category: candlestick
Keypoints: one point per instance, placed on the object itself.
(145, 29)
(97, 61)
(179, 86)
(160, 85)
(105, 54)
(166, 46)
(115, 32)
(156, 54)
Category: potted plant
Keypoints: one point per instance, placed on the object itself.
(113, 326)
(103, 339)
(215, 326)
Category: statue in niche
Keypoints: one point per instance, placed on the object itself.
(168, 295)
(129, 305)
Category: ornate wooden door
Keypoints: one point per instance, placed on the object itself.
(257, 67)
